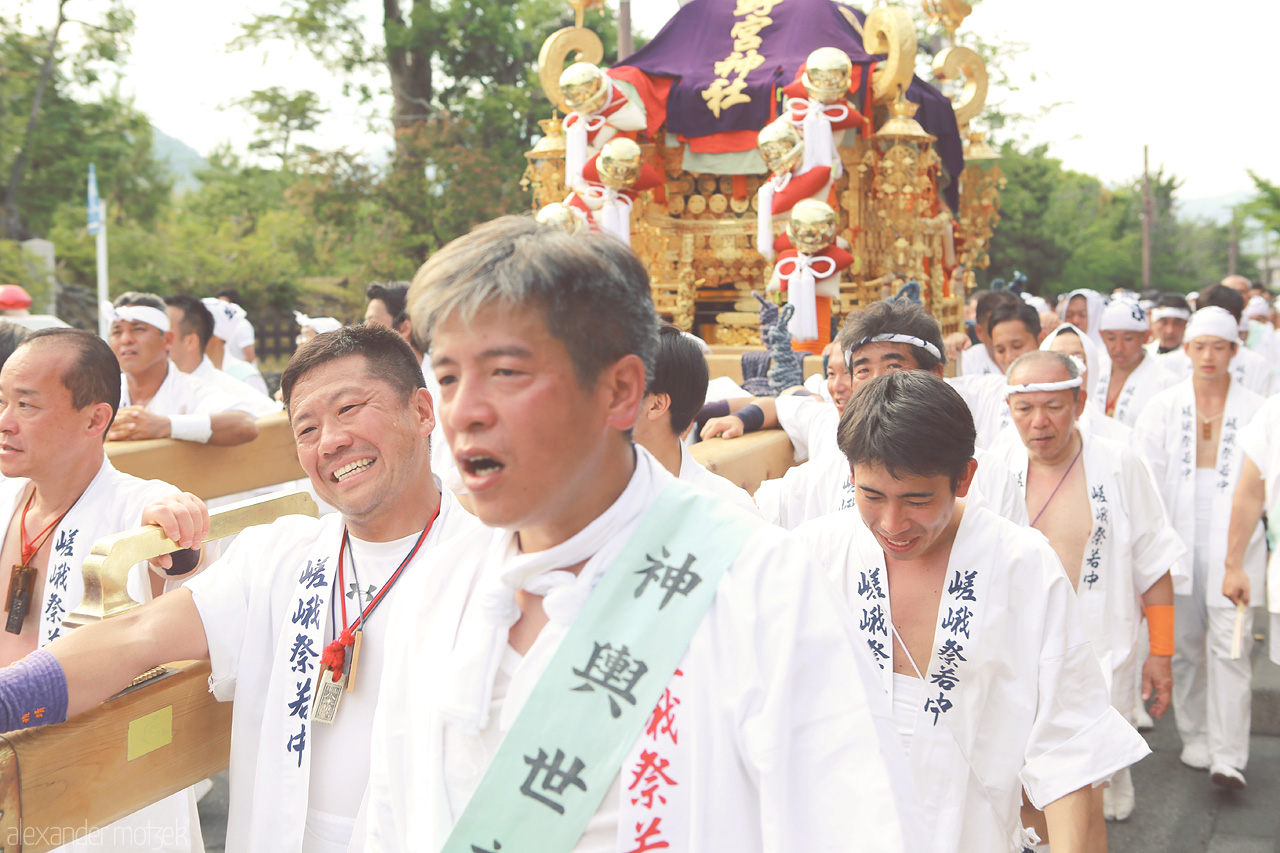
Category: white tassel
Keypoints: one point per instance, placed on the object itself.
(819, 139)
(802, 292)
(575, 152)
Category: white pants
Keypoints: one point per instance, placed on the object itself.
(1212, 694)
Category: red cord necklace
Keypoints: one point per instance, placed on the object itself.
(334, 658)
(22, 580)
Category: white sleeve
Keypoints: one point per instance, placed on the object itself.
(1076, 738)
(1155, 546)
(809, 422)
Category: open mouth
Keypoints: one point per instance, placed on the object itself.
(898, 544)
(351, 469)
(479, 465)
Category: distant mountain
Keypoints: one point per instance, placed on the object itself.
(183, 160)
(1214, 208)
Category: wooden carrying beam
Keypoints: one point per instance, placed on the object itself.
(748, 459)
(209, 471)
(161, 735)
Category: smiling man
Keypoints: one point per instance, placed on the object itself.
(1193, 435)
(973, 624)
(602, 671)
(157, 400)
(292, 608)
(1094, 501)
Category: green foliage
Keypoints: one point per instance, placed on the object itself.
(1066, 230)
(1265, 206)
(280, 115)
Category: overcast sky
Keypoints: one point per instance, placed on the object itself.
(1193, 81)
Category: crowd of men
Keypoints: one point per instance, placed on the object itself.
(571, 636)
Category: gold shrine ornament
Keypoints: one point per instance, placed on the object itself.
(812, 227)
(780, 145)
(584, 88)
(619, 163)
(560, 216)
(828, 72)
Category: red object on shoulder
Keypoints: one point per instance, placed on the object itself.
(801, 187)
(653, 93)
(13, 297)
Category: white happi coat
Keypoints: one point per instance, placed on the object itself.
(810, 422)
(1014, 696)
(266, 608)
(976, 361)
(1166, 429)
(985, 396)
(782, 745)
(823, 485)
(1147, 379)
(1130, 547)
(185, 394)
(113, 503)
(256, 402)
(1261, 443)
(693, 472)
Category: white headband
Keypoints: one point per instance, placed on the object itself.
(138, 314)
(319, 324)
(1123, 315)
(226, 316)
(1032, 387)
(893, 339)
(1215, 322)
(1182, 314)
(1257, 307)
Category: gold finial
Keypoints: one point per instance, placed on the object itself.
(977, 148)
(780, 145)
(552, 143)
(827, 74)
(560, 216)
(902, 123)
(619, 163)
(583, 87)
(949, 13)
(812, 226)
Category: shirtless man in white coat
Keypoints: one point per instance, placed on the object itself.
(973, 624)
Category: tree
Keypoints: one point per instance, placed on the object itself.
(105, 42)
(280, 116)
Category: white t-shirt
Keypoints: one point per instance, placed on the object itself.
(340, 762)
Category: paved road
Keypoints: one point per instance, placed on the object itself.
(1179, 810)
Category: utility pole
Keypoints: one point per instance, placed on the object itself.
(1148, 213)
(1233, 246)
(624, 30)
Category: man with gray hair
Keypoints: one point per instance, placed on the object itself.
(1094, 501)
(602, 670)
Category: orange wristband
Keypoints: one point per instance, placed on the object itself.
(1160, 628)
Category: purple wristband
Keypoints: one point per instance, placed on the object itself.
(33, 692)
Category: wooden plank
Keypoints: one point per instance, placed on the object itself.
(79, 774)
(213, 472)
(749, 459)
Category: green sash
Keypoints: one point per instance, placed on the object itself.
(567, 744)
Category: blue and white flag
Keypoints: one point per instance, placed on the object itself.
(95, 206)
